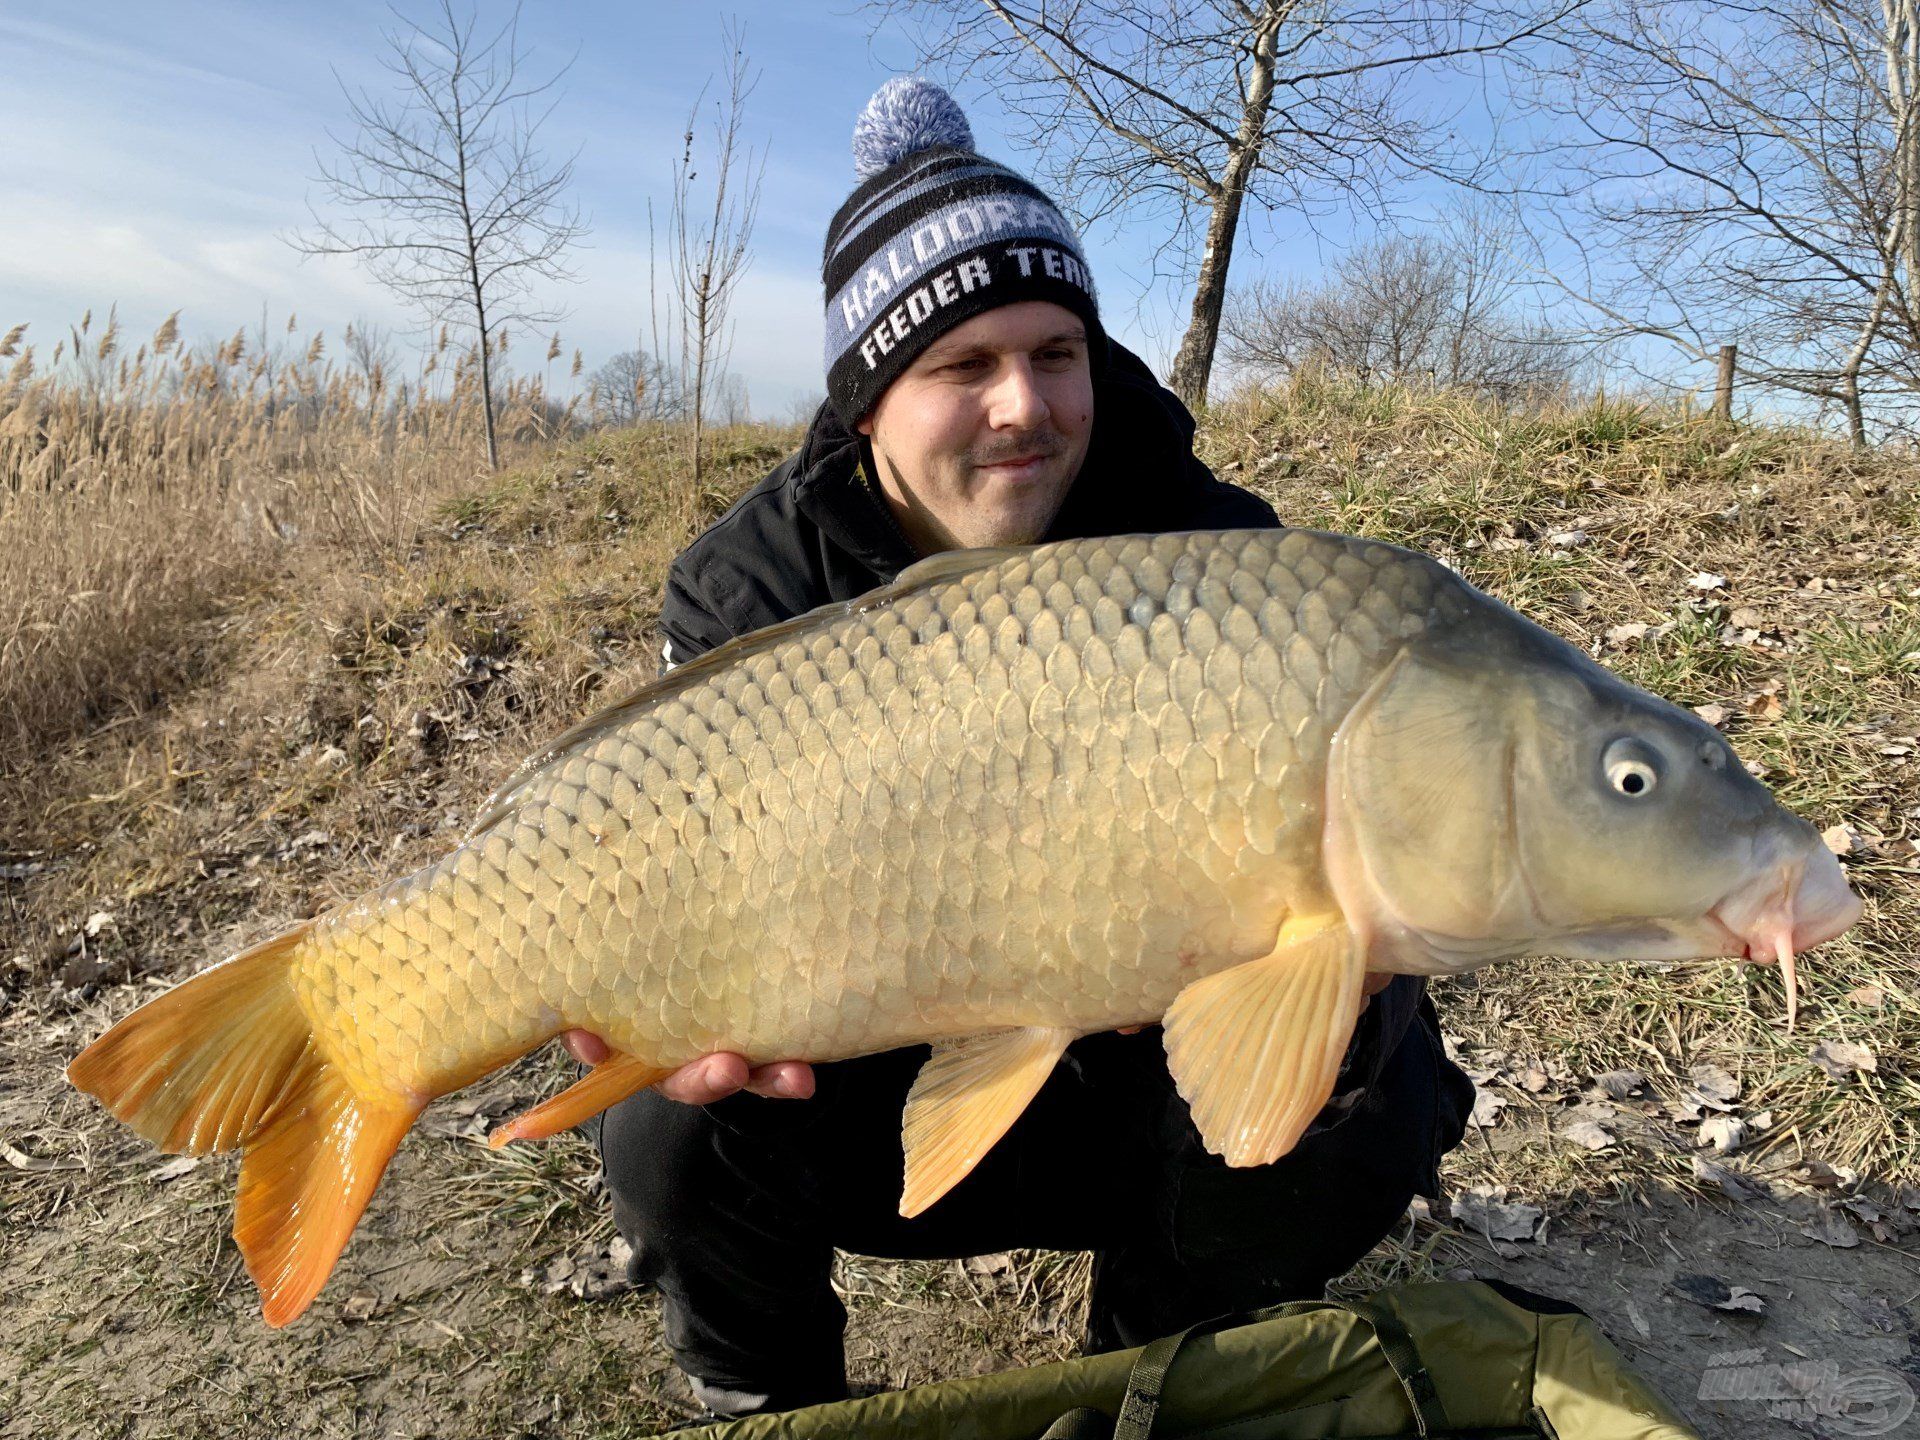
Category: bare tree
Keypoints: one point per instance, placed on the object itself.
(634, 387)
(1190, 112)
(369, 351)
(707, 243)
(1440, 308)
(1749, 173)
(443, 191)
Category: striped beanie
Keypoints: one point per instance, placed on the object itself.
(934, 235)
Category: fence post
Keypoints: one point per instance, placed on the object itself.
(1723, 388)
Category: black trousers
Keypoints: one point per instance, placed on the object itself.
(734, 1210)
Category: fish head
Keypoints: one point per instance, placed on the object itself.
(1498, 794)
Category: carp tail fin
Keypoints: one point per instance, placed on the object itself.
(225, 1060)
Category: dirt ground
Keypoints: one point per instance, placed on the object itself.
(476, 1301)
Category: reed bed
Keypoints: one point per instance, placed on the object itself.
(139, 486)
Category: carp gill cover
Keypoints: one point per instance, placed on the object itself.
(1015, 797)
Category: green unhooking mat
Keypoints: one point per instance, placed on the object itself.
(1460, 1360)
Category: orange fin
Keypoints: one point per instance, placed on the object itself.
(608, 1083)
(1256, 1050)
(305, 1181)
(964, 1099)
(198, 1068)
(226, 1060)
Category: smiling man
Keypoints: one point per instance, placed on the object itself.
(974, 399)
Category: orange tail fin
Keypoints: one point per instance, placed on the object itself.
(226, 1060)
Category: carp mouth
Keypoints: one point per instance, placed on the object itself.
(1785, 911)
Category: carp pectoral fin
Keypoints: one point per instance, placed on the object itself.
(1255, 1050)
(964, 1099)
(608, 1083)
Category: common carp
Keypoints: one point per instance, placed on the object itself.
(1014, 797)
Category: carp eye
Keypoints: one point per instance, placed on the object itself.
(1630, 770)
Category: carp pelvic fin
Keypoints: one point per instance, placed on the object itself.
(1255, 1050)
(226, 1060)
(607, 1084)
(964, 1099)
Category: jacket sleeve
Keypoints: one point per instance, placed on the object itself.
(688, 625)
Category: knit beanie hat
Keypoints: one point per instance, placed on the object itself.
(934, 235)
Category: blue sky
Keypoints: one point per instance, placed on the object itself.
(158, 154)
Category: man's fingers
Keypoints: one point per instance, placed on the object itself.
(703, 1081)
(783, 1080)
(585, 1046)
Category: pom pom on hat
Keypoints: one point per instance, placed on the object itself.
(906, 115)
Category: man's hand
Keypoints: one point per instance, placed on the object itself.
(711, 1077)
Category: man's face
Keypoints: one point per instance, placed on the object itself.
(978, 442)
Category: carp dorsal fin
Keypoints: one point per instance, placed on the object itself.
(964, 1099)
(1255, 1050)
(920, 575)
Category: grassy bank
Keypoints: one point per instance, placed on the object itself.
(323, 706)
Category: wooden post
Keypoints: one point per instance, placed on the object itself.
(1723, 388)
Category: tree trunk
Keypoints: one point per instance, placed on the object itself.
(486, 389)
(1723, 386)
(1193, 365)
(699, 386)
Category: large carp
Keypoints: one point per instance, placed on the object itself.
(1016, 796)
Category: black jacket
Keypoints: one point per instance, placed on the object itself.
(815, 532)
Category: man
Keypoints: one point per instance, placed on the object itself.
(974, 399)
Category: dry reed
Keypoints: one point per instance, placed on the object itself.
(137, 488)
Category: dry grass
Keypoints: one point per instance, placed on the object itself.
(141, 491)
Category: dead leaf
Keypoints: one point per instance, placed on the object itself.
(1725, 1133)
(1533, 1080)
(1713, 1085)
(1840, 1058)
(1747, 618)
(174, 1169)
(1621, 636)
(998, 1263)
(1822, 1176)
(1486, 1210)
(1716, 1294)
(1765, 706)
(1834, 1230)
(1871, 996)
(1589, 1134)
(1874, 1309)
(1567, 539)
(1619, 1084)
(1840, 840)
(98, 921)
(1486, 1107)
(1706, 581)
(1733, 1185)
(1714, 715)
